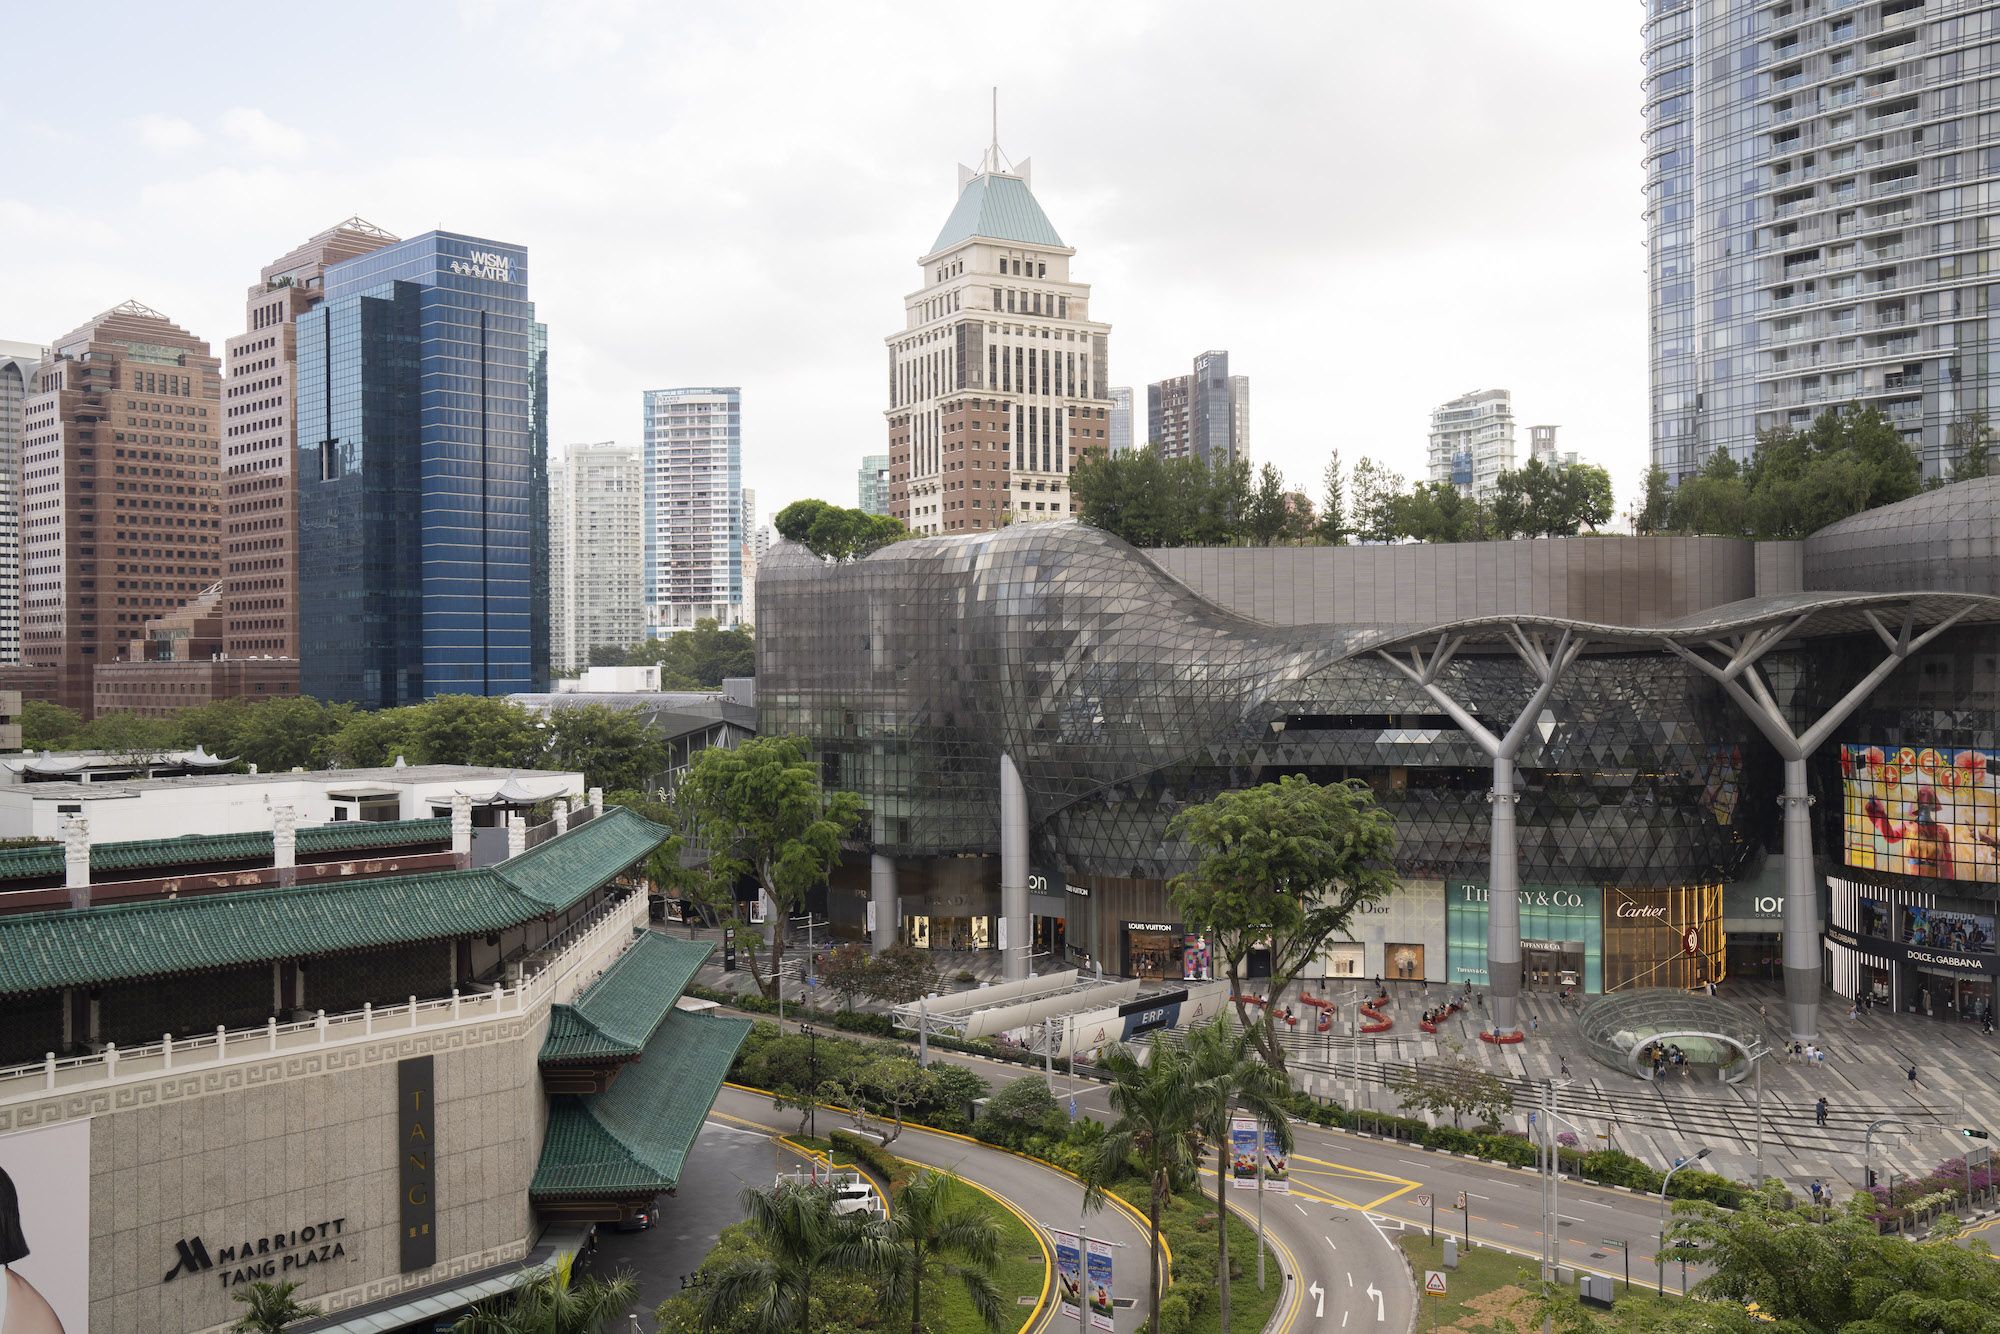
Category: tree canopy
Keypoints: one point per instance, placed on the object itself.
(1281, 867)
(696, 659)
(1848, 460)
(1154, 501)
(836, 533)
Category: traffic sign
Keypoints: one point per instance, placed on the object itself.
(1461, 1201)
(1434, 1282)
(1423, 1201)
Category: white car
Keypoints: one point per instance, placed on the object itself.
(855, 1197)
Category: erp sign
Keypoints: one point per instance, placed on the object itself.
(1143, 1016)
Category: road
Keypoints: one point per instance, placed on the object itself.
(1044, 1195)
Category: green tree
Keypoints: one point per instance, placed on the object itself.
(1715, 501)
(1376, 489)
(278, 735)
(610, 655)
(557, 1302)
(700, 658)
(270, 1308)
(128, 736)
(1020, 1108)
(1543, 500)
(1970, 442)
(759, 810)
(1656, 502)
(902, 973)
(614, 748)
(1439, 512)
(848, 971)
(369, 740)
(1228, 1076)
(829, 531)
(1155, 1126)
(1814, 1271)
(769, 1288)
(475, 729)
(1268, 510)
(1453, 1085)
(46, 726)
(1282, 866)
(940, 1234)
(1332, 525)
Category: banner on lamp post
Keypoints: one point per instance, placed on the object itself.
(1246, 1136)
(1102, 1306)
(1069, 1275)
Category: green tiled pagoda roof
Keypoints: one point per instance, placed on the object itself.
(999, 208)
(617, 1015)
(122, 942)
(632, 1139)
(200, 849)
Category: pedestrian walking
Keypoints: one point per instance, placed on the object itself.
(1818, 1192)
(1819, 1112)
(1534, 1023)
(1912, 1073)
(1564, 1060)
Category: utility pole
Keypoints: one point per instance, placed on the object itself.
(812, 1076)
(1660, 1252)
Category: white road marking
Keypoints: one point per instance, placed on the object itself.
(1343, 1319)
(1329, 1242)
(1350, 1281)
(1301, 1208)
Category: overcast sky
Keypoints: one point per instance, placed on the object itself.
(1372, 207)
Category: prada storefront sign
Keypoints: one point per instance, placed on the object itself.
(416, 1128)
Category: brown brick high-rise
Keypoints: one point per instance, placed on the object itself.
(260, 516)
(121, 514)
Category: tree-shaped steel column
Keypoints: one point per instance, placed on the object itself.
(1738, 675)
(1503, 908)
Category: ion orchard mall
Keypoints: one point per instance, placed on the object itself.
(1613, 762)
(380, 1057)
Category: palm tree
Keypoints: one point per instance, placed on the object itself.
(1228, 1075)
(1158, 1125)
(555, 1303)
(799, 1235)
(936, 1220)
(271, 1308)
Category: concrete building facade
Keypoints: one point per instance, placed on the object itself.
(17, 378)
(997, 379)
(694, 534)
(596, 548)
(1820, 218)
(1472, 441)
(121, 492)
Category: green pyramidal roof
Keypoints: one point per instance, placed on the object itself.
(617, 1016)
(999, 208)
(632, 1139)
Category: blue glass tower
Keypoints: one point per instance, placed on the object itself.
(422, 468)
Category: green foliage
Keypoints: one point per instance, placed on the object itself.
(758, 810)
(1155, 1128)
(269, 1308)
(1970, 443)
(697, 659)
(1228, 1077)
(834, 533)
(941, 1234)
(556, 1303)
(1540, 500)
(1375, 490)
(1453, 1085)
(128, 736)
(1833, 1270)
(1656, 503)
(1282, 866)
(1018, 1110)
(46, 726)
(794, 1266)
(1849, 460)
(614, 748)
(1152, 501)
(1331, 527)
(1437, 512)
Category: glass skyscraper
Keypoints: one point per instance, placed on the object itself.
(422, 475)
(1820, 212)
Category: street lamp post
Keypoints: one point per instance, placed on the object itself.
(1868, 1148)
(812, 1079)
(1660, 1252)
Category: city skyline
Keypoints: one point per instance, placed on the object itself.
(643, 275)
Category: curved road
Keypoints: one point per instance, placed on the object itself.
(1045, 1195)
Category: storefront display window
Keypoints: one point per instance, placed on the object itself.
(1051, 935)
(1403, 962)
(1154, 951)
(1346, 960)
(1197, 960)
(1563, 915)
(1663, 937)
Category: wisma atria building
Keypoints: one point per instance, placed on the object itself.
(1587, 744)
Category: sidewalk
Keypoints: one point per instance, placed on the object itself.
(1864, 1079)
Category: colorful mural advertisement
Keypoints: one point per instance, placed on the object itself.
(1102, 1307)
(45, 1230)
(1069, 1275)
(1922, 811)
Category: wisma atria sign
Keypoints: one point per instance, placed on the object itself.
(490, 265)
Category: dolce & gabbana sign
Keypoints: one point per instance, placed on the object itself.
(276, 1255)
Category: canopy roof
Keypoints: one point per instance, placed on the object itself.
(632, 1140)
(45, 861)
(617, 1016)
(1817, 615)
(160, 937)
(997, 207)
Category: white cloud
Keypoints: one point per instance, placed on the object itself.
(258, 132)
(167, 134)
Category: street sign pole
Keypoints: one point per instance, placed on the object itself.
(1465, 1204)
(1434, 1217)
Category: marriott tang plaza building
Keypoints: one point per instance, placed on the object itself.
(1613, 762)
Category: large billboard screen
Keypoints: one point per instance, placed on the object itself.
(1929, 811)
(45, 1229)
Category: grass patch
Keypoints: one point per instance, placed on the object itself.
(1188, 1223)
(1487, 1292)
(1020, 1273)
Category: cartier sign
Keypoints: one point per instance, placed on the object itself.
(1650, 910)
